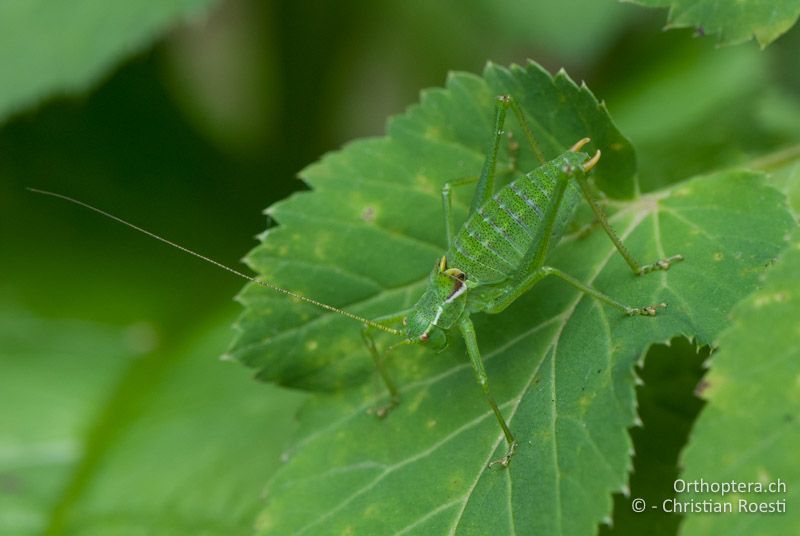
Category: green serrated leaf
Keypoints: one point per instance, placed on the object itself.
(48, 47)
(561, 367)
(735, 22)
(749, 430)
(367, 236)
(365, 239)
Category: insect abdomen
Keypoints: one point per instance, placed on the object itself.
(493, 241)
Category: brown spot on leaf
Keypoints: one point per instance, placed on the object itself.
(701, 387)
(10, 483)
(368, 214)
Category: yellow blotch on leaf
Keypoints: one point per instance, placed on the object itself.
(763, 475)
(424, 183)
(771, 297)
(417, 400)
(456, 481)
(264, 522)
(433, 133)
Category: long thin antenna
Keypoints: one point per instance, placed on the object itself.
(220, 265)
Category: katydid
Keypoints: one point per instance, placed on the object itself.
(497, 255)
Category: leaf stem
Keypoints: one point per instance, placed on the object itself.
(775, 159)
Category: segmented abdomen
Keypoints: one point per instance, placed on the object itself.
(493, 241)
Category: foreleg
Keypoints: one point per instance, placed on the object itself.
(380, 364)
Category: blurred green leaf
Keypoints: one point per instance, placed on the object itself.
(561, 368)
(92, 442)
(55, 376)
(60, 46)
(665, 100)
(369, 234)
(698, 109)
(749, 430)
(572, 29)
(735, 22)
(183, 447)
(222, 73)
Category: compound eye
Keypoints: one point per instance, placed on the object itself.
(423, 337)
(405, 321)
